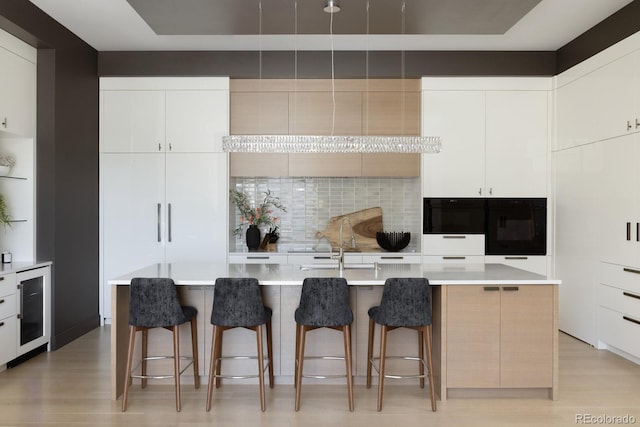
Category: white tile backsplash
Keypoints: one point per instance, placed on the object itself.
(310, 202)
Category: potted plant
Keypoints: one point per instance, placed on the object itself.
(256, 216)
(6, 163)
(5, 218)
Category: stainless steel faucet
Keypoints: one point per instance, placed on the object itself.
(341, 248)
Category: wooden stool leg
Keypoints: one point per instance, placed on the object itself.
(383, 354)
(260, 367)
(176, 364)
(295, 367)
(127, 380)
(372, 326)
(300, 356)
(432, 390)
(270, 353)
(421, 355)
(212, 368)
(194, 349)
(145, 340)
(219, 330)
(346, 331)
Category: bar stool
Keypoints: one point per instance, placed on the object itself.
(324, 303)
(406, 303)
(237, 303)
(154, 303)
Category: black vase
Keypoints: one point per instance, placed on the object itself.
(253, 237)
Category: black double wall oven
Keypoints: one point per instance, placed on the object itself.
(512, 226)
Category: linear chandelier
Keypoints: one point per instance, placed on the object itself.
(330, 143)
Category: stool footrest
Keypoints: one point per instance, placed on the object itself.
(160, 377)
(374, 365)
(266, 360)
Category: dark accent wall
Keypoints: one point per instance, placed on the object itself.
(610, 31)
(317, 64)
(67, 165)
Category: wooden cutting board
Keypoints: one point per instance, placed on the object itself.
(365, 225)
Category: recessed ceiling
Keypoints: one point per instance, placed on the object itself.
(218, 17)
(117, 25)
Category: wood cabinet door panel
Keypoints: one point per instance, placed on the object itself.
(391, 113)
(320, 164)
(259, 113)
(473, 336)
(312, 113)
(526, 350)
(391, 164)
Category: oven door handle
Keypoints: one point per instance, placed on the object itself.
(20, 290)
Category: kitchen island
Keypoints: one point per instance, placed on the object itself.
(494, 327)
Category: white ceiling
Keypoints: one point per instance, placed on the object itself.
(113, 25)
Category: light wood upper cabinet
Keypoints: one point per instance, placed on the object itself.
(306, 107)
(312, 113)
(391, 113)
(259, 113)
(342, 164)
(391, 164)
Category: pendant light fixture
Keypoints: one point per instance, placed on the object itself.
(330, 143)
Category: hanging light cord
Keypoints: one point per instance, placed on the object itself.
(333, 84)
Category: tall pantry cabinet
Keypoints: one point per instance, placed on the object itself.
(163, 174)
(598, 198)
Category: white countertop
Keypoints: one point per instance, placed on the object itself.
(16, 267)
(205, 274)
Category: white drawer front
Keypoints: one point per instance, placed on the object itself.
(620, 276)
(8, 284)
(7, 306)
(258, 259)
(8, 339)
(453, 259)
(619, 330)
(320, 258)
(534, 264)
(392, 259)
(453, 244)
(620, 300)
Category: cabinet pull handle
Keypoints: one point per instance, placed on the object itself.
(257, 257)
(516, 257)
(159, 228)
(628, 125)
(492, 288)
(491, 191)
(159, 147)
(631, 270)
(1, 324)
(511, 288)
(391, 257)
(629, 319)
(637, 124)
(628, 231)
(630, 295)
(454, 237)
(480, 191)
(1, 278)
(321, 257)
(1, 301)
(637, 231)
(4, 124)
(170, 147)
(454, 257)
(169, 221)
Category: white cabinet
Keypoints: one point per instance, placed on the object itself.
(453, 248)
(258, 258)
(494, 135)
(619, 308)
(17, 86)
(620, 201)
(161, 208)
(164, 114)
(392, 258)
(8, 328)
(163, 175)
(602, 104)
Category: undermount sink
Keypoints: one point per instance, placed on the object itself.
(349, 266)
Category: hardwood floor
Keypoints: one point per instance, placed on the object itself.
(70, 387)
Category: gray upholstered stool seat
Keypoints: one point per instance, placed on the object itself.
(237, 303)
(324, 303)
(154, 303)
(406, 303)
